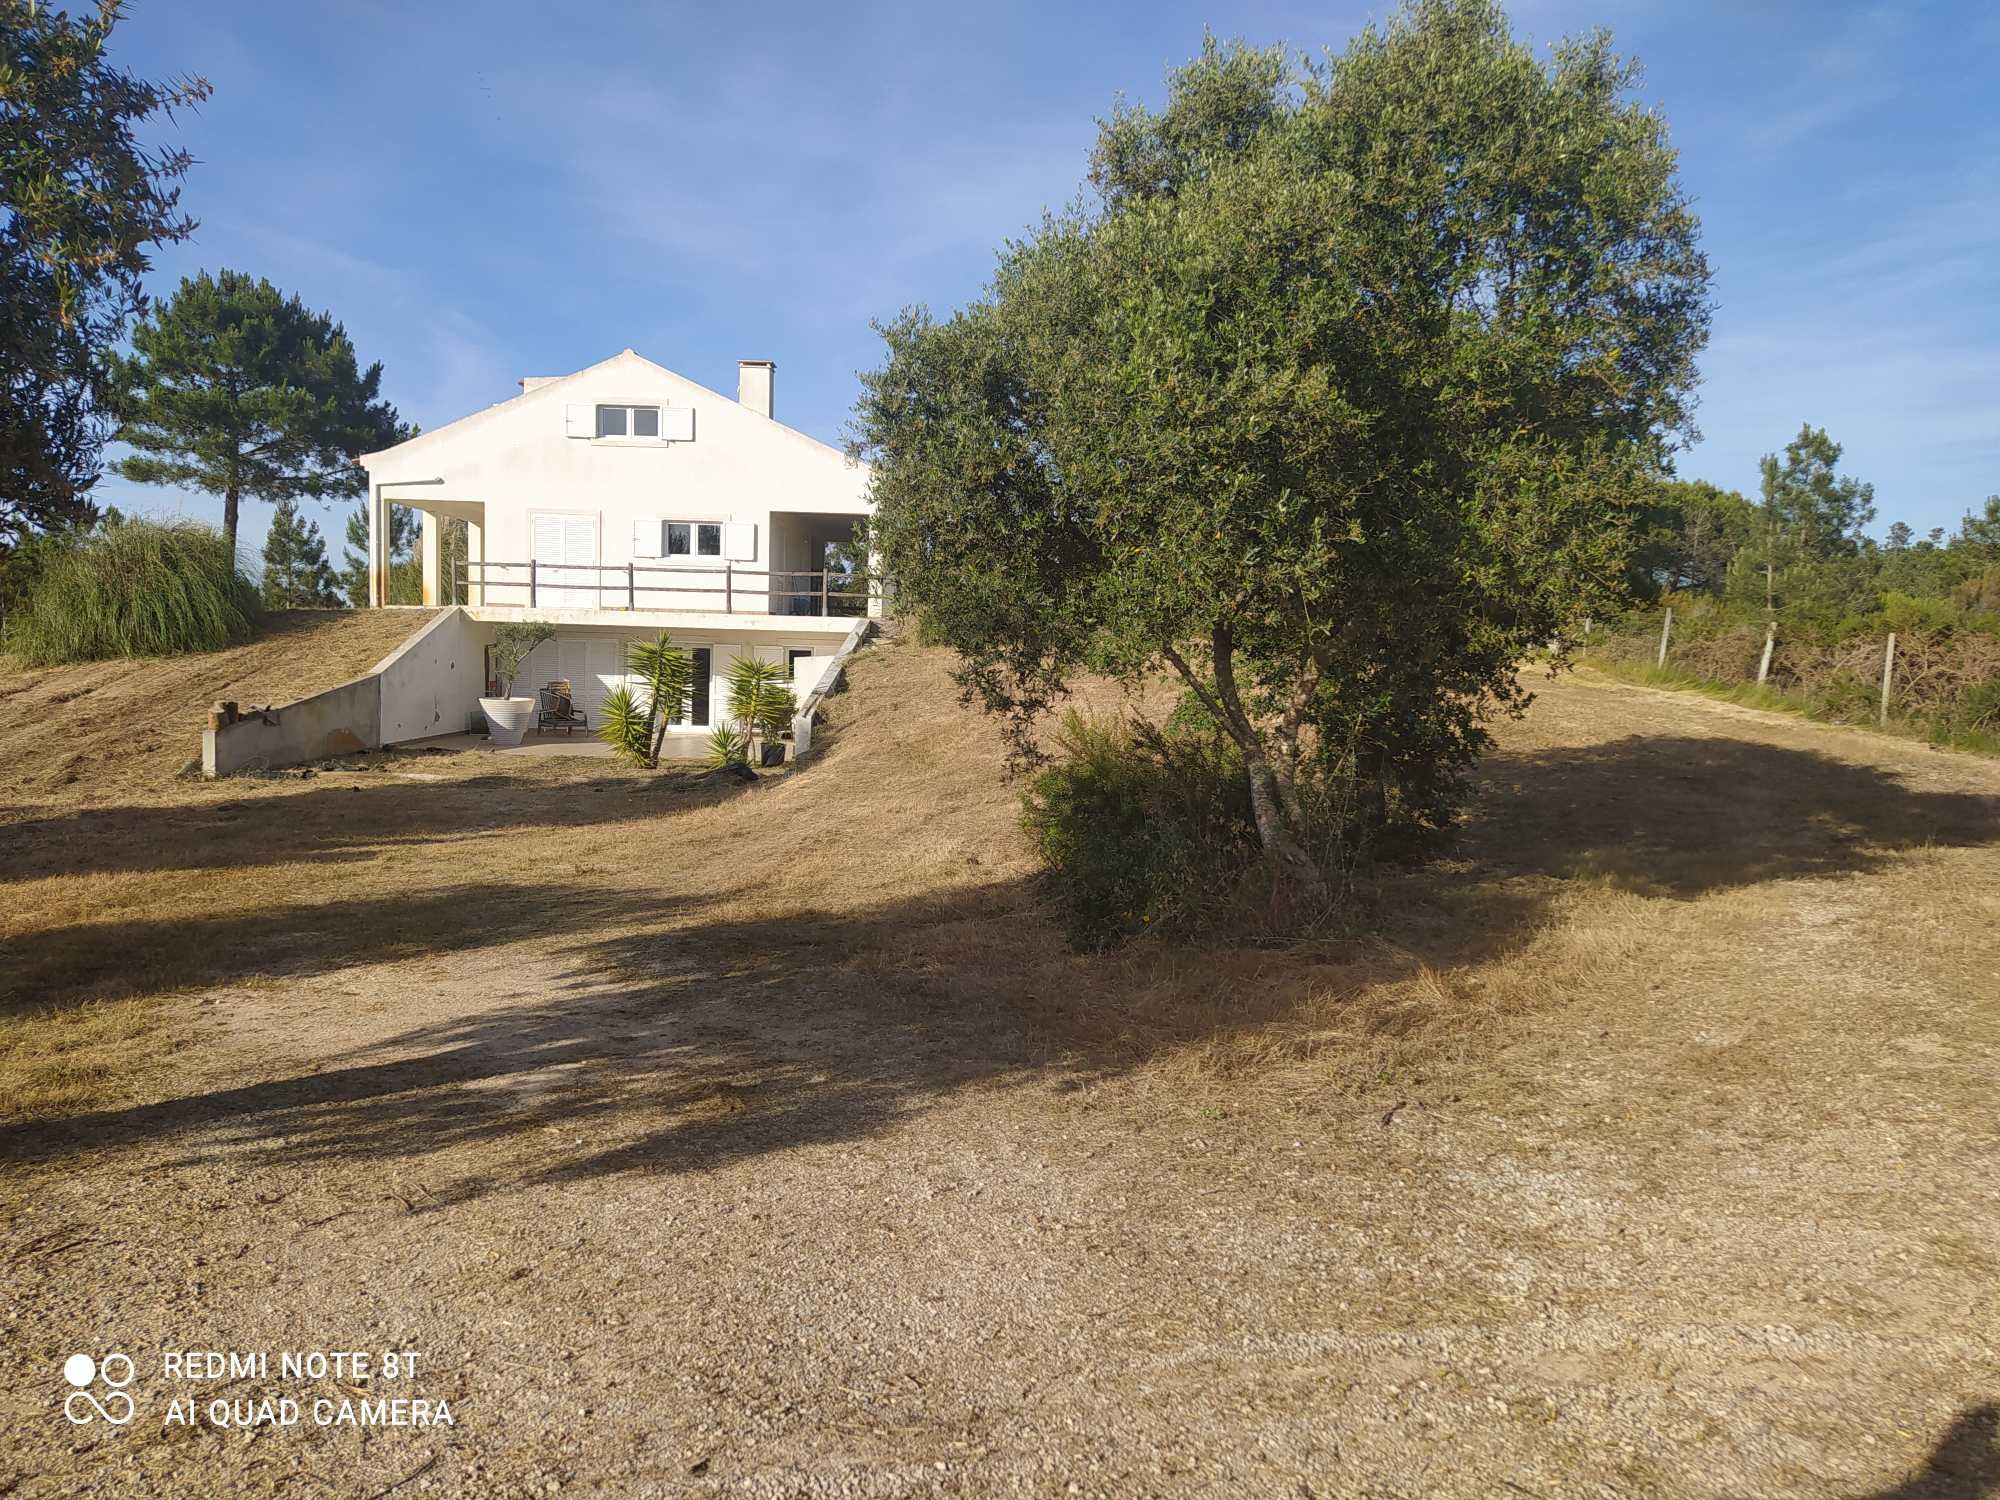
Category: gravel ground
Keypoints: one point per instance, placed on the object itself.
(1728, 1227)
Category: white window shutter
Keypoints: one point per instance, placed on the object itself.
(739, 541)
(646, 538)
(547, 544)
(580, 420)
(677, 424)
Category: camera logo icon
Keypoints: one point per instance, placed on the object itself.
(83, 1404)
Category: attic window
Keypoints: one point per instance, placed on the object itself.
(628, 421)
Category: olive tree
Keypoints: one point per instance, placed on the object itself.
(1330, 400)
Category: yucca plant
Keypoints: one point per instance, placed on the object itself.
(727, 746)
(624, 726)
(761, 702)
(635, 724)
(137, 588)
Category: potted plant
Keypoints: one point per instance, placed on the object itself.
(508, 718)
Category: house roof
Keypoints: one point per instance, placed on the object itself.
(549, 388)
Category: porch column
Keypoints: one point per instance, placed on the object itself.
(432, 553)
(475, 554)
(378, 548)
(878, 591)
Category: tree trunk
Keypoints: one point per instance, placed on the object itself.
(229, 508)
(1273, 806)
(1278, 836)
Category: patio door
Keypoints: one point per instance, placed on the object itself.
(565, 554)
(594, 666)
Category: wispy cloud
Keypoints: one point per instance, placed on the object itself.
(1836, 79)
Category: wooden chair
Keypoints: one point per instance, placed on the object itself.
(558, 707)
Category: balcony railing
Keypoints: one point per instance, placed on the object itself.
(664, 587)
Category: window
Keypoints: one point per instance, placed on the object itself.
(628, 421)
(704, 660)
(694, 539)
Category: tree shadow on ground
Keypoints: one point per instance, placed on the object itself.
(670, 1031)
(689, 1058)
(339, 819)
(1681, 816)
(1965, 1464)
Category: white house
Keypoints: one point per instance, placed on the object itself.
(625, 500)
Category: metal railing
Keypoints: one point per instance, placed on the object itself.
(636, 585)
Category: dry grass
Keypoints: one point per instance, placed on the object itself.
(76, 734)
(892, 869)
(1673, 1081)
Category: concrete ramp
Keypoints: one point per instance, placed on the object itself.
(428, 685)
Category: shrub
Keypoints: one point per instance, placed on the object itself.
(139, 588)
(1150, 831)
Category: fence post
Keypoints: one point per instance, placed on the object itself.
(631, 585)
(1888, 676)
(531, 583)
(1666, 631)
(824, 611)
(1770, 640)
(729, 588)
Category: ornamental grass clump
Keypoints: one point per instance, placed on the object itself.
(139, 588)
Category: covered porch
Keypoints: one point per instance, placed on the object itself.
(441, 567)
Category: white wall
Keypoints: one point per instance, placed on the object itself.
(515, 459)
(593, 661)
(432, 684)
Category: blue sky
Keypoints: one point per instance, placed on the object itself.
(488, 191)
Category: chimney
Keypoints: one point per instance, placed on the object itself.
(754, 379)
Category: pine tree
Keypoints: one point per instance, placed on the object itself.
(236, 389)
(296, 574)
(405, 577)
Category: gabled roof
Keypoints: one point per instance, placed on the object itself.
(551, 389)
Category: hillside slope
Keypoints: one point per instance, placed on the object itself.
(1643, 1144)
(78, 732)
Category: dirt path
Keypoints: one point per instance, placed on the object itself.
(709, 1184)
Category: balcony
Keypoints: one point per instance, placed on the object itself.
(640, 592)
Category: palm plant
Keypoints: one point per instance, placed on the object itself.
(635, 723)
(761, 702)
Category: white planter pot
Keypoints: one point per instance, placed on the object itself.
(508, 720)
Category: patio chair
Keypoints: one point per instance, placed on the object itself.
(558, 708)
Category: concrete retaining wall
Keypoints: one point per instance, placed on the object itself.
(432, 682)
(428, 685)
(829, 681)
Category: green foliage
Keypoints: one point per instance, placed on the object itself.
(1685, 535)
(513, 644)
(1339, 399)
(296, 574)
(728, 746)
(236, 389)
(143, 588)
(1810, 510)
(406, 583)
(624, 726)
(760, 701)
(1150, 831)
(1140, 833)
(1980, 534)
(82, 201)
(635, 724)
